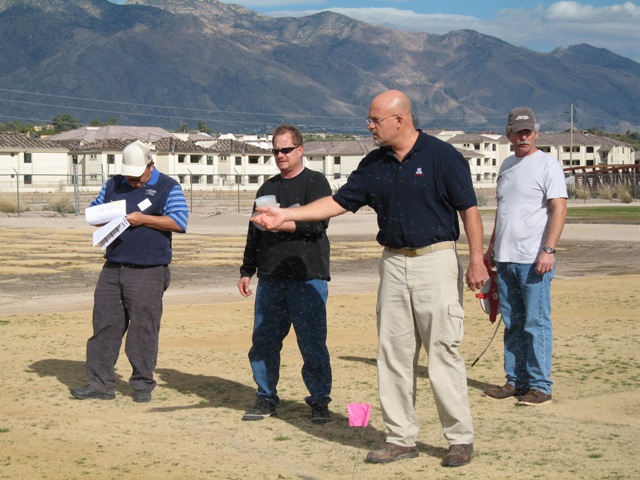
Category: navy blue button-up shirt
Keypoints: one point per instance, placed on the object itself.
(416, 200)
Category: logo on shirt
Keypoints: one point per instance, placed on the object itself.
(151, 192)
(419, 172)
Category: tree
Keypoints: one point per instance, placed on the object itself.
(65, 122)
(202, 127)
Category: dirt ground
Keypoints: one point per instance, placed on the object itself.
(192, 428)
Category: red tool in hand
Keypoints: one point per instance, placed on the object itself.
(488, 296)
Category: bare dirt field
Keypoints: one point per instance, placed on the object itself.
(192, 428)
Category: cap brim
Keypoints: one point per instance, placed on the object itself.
(518, 127)
(132, 170)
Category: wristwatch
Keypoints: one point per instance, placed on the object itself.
(548, 249)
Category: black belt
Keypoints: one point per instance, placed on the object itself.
(111, 264)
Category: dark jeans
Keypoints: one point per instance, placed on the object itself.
(280, 304)
(126, 300)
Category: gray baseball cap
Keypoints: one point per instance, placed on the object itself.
(521, 118)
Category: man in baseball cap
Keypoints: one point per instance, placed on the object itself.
(532, 206)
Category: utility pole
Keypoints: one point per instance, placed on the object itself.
(571, 138)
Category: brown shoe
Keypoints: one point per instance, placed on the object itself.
(390, 453)
(505, 391)
(534, 398)
(458, 455)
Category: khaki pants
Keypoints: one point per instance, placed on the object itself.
(420, 303)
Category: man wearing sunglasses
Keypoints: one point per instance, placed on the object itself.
(128, 295)
(418, 185)
(292, 264)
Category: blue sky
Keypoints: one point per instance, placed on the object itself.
(537, 25)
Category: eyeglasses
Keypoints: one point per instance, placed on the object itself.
(377, 121)
(285, 150)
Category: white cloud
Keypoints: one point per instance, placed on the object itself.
(538, 28)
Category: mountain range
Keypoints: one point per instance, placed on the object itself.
(169, 62)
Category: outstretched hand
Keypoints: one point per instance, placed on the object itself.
(269, 218)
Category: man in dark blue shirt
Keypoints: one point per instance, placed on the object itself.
(417, 185)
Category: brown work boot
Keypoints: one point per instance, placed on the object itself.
(505, 391)
(390, 453)
(458, 455)
(534, 398)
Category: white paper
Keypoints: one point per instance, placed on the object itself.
(101, 214)
(109, 232)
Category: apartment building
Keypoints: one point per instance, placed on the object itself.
(87, 158)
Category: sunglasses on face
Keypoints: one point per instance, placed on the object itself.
(285, 150)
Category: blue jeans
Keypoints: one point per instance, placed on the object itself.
(525, 304)
(280, 304)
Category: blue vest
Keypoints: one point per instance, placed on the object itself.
(141, 245)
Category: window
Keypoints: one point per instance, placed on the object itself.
(210, 178)
(336, 176)
(74, 159)
(336, 160)
(479, 162)
(27, 158)
(181, 158)
(589, 149)
(238, 161)
(254, 179)
(27, 179)
(209, 160)
(254, 160)
(111, 159)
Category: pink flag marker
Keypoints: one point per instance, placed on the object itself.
(359, 414)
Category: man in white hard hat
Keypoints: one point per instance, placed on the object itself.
(128, 295)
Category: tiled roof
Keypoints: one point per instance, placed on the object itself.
(117, 132)
(235, 146)
(111, 144)
(13, 140)
(347, 147)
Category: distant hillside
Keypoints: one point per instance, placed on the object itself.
(163, 62)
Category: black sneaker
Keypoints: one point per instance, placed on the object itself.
(142, 396)
(261, 410)
(320, 414)
(83, 393)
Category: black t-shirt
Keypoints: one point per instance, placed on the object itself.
(303, 255)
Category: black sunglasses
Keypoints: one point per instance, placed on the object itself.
(285, 150)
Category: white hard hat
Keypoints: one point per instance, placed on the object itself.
(135, 158)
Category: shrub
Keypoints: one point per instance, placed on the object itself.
(482, 200)
(623, 193)
(582, 193)
(605, 192)
(61, 205)
(8, 205)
